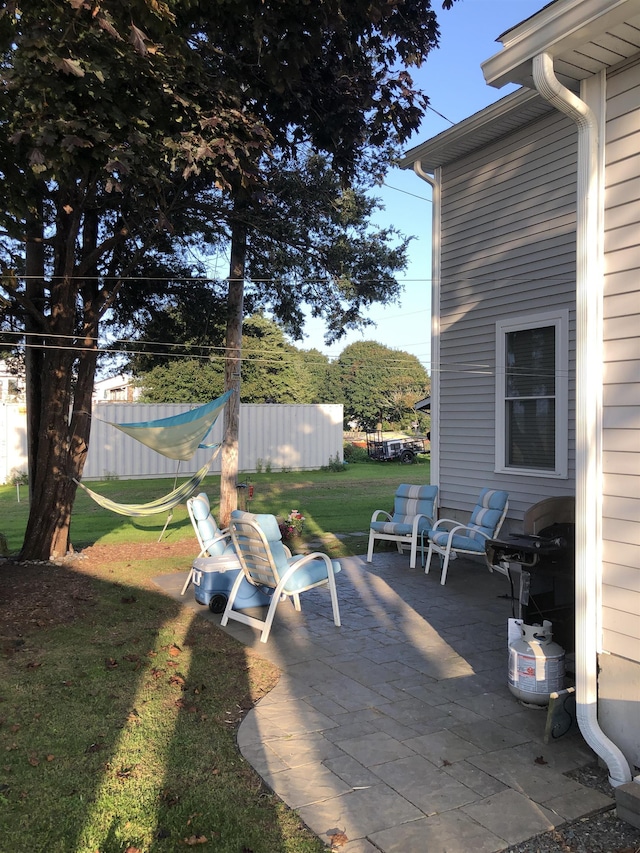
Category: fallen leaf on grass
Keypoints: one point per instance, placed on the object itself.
(174, 651)
(110, 663)
(124, 772)
(132, 850)
(128, 599)
(33, 761)
(195, 839)
(15, 728)
(132, 658)
(94, 747)
(50, 757)
(33, 664)
(176, 678)
(169, 798)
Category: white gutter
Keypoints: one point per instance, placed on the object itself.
(589, 297)
(435, 184)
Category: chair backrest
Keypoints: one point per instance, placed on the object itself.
(410, 501)
(205, 525)
(258, 543)
(488, 514)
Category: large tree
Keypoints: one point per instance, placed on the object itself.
(376, 383)
(103, 131)
(273, 370)
(120, 123)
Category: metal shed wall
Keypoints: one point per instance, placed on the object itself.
(299, 437)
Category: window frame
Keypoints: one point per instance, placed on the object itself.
(559, 320)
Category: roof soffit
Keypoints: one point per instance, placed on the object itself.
(583, 36)
(493, 122)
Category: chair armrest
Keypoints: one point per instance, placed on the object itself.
(457, 528)
(298, 564)
(378, 512)
(220, 535)
(416, 520)
(436, 527)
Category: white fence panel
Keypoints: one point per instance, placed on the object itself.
(13, 439)
(296, 437)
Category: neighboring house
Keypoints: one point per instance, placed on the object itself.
(116, 389)
(11, 385)
(536, 323)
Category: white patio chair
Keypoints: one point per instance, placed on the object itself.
(448, 538)
(266, 563)
(414, 512)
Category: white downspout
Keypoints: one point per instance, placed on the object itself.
(434, 183)
(589, 297)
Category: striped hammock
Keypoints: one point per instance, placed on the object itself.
(164, 504)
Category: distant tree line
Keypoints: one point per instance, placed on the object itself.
(376, 384)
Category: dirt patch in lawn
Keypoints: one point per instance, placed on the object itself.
(36, 595)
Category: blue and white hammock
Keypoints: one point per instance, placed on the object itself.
(176, 437)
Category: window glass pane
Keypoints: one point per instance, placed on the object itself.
(530, 431)
(530, 362)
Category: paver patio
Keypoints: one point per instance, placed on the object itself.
(398, 729)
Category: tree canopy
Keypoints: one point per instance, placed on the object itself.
(134, 136)
(273, 371)
(377, 384)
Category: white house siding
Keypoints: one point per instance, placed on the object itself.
(621, 393)
(508, 238)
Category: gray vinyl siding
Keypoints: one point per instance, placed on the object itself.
(621, 392)
(508, 249)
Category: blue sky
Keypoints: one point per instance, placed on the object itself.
(453, 80)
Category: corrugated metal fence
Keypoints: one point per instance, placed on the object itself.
(296, 437)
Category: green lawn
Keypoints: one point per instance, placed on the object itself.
(118, 720)
(332, 503)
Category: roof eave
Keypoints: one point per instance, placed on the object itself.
(557, 28)
(515, 110)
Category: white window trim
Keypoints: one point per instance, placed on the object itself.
(560, 321)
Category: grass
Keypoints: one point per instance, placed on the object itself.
(332, 503)
(117, 728)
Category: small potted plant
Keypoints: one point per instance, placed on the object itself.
(292, 526)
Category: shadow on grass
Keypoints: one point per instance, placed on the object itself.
(118, 724)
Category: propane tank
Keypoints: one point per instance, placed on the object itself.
(536, 665)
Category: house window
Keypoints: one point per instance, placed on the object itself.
(531, 395)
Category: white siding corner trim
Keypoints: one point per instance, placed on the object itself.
(559, 321)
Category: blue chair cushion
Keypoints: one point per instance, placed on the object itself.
(269, 526)
(207, 527)
(408, 502)
(487, 512)
(459, 542)
(399, 529)
(311, 573)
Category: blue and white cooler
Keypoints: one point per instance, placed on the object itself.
(213, 578)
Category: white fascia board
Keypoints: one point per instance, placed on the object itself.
(519, 107)
(561, 26)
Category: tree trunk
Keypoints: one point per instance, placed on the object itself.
(63, 412)
(232, 365)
